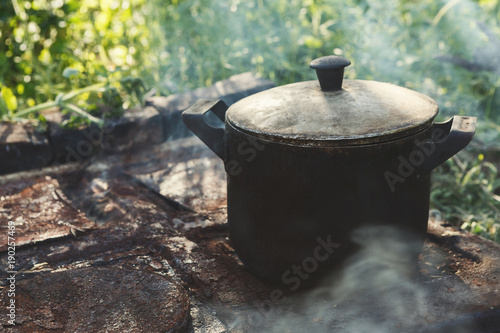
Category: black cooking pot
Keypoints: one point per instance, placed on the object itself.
(310, 163)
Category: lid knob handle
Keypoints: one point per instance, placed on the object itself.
(330, 71)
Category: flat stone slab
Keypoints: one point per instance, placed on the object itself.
(474, 260)
(68, 145)
(22, 148)
(198, 182)
(137, 127)
(98, 300)
(41, 212)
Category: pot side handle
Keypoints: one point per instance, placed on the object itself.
(194, 119)
(447, 139)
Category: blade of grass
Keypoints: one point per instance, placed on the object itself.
(82, 113)
(66, 97)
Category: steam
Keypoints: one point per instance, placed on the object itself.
(379, 290)
(433, 50)
(386, 261)
(235, 36)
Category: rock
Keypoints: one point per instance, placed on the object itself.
(199, 183)
(41, 212)
(98, 300)
(70, 145)
(136, 128)
(22, 148)
(230, 91)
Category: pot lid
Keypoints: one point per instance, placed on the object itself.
(333, 111)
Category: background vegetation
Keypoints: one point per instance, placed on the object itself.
(95, 58)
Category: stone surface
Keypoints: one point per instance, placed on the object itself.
(22, 148)
(41, 212)
(473, 259)
(99, 300)
(137, 127)
(230, 91)
(162, 211)
(198, 182)
(69, 145)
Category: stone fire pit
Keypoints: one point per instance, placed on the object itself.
(137, 241)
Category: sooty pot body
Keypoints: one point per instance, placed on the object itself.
(292, 206)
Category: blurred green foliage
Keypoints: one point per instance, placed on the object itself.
(83, 55)
(49, 48)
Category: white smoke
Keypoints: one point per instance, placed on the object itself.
(379, 290)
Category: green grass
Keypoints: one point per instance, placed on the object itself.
(464, 191)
